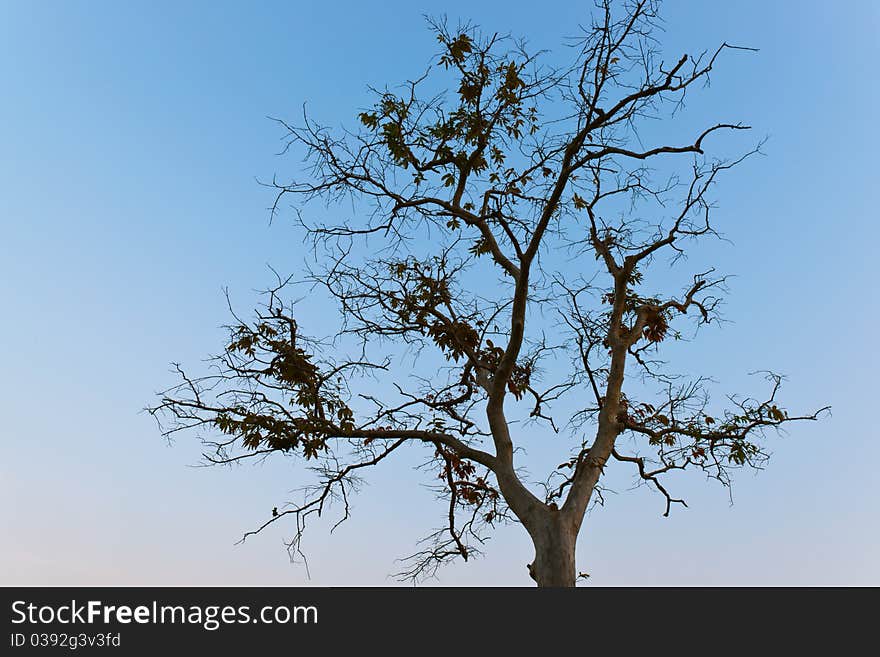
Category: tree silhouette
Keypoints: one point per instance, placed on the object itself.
(507, 215)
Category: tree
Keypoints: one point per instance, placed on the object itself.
(507, 217)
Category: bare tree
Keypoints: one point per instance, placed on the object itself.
(506, 215)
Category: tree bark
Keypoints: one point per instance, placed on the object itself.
(554, 539)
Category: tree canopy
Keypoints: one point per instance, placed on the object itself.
(503, 216)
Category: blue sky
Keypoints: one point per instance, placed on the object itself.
(132, 134)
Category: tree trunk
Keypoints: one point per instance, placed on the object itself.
(554, 541)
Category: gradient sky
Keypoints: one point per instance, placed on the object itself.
(131, 135)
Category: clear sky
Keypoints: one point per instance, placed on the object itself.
(131, 135)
